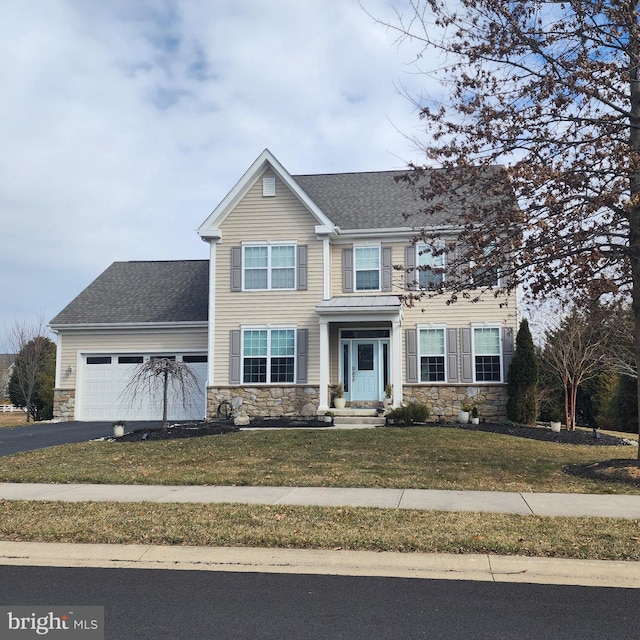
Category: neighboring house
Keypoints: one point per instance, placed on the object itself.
(6, 368)
(298, 295)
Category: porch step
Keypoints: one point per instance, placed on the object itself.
(357, 418)
(358, 421)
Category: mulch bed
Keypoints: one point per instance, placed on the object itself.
(617, 470)
(212, 428)
(217, 427)
(579, 436)
(176, 431)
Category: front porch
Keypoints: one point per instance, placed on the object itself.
(361, 349)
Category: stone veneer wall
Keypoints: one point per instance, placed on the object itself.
(268, 402)
(443, 401)
(64, 404)
(446, 401)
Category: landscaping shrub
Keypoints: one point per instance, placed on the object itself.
(522, 379)
(627, 405)
(407, 414)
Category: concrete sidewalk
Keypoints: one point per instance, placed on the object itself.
(355, 563)
(544, 504)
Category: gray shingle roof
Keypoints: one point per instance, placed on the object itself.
(377, 200)
(132, 292)
(360, 200)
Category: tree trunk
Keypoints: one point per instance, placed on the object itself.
(165, 399)
(567, 410)
(574, 406)
(633, 51)
(635, 270)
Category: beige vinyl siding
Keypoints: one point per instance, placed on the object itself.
(260, 219)
(134, 341)
(434, 310)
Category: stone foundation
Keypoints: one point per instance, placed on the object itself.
(272, 402)
(64, 404)
(446, 401)
(269, 402)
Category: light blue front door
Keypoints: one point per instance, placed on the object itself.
(365, 370)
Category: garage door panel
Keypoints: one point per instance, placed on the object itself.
(104, 394)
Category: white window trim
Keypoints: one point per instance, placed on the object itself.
(440, 327)
(443, 256)
(498, 327)
(355, 270)
(269, 246)
(269, 329)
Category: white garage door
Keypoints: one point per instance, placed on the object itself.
(102, 389)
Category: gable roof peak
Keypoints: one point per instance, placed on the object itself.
(264, 161)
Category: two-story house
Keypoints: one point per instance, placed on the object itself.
(299, 294)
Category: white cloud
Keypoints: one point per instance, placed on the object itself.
(124, 123)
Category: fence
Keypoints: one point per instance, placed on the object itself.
(9, 408)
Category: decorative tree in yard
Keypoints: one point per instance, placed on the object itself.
(576, 352)
(551, 92)
(164, 375)
(32, 377)
(522, 378)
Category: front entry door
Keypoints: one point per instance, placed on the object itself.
(365, 379)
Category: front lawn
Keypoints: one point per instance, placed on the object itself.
(292, 527)
(425, 458)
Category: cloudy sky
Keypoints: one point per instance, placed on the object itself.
(123, 123)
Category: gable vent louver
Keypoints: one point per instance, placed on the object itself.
(268, 186)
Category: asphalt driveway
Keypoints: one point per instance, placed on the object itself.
(50, 434)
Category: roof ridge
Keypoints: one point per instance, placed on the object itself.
(350, 173)
(157, 261)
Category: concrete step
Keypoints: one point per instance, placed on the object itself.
(358, 421)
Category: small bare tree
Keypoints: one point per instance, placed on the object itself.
(575, 352)
(165, 374)
(31, 346)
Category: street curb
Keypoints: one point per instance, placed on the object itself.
(474, 567)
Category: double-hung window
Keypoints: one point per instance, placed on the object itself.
(487, 350)
(430, 263)
(367, 268)
(269, 266)
(432, 355)
(485, 275)
(268, 355)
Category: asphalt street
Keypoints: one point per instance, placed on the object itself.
(158, 604)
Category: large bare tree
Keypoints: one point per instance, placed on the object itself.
(550, 91)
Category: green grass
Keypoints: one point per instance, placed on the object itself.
(428, 458)
(321, 528)
(433, 457)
